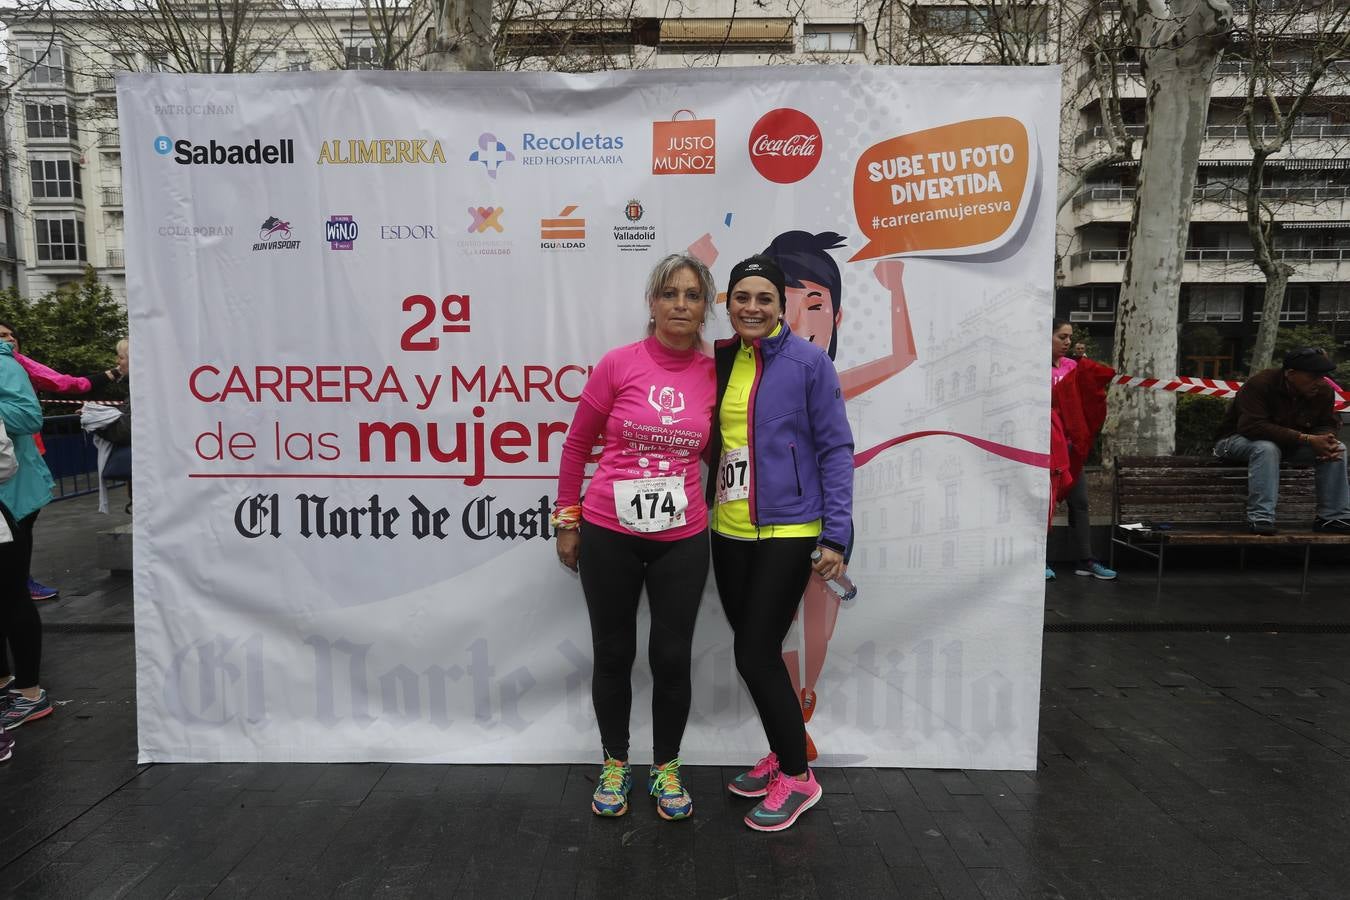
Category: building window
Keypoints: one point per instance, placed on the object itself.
(1215, 303)
(297, 61)
(950, 517)
(45, 65)
(1003, 511)
(818, 38)
(916, 463)
(916, 522)
(60, 239)
(1334, 304)
(54, 178)
(49, 120)
(1294, 308)
(1096, 304)
(361, 54)
(881, 563)
(916, 556)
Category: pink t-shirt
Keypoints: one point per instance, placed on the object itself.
(1058, 370)
(654, 406)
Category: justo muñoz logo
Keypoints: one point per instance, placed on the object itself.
(785, 145)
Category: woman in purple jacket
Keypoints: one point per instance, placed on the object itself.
(781, 500)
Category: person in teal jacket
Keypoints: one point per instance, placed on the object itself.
(22, 698)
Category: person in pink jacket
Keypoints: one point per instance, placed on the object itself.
(47, 379)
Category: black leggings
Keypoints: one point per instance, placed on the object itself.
(761, 584)
(19, 620)
(614, 567)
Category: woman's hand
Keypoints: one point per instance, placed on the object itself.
(830, 565)
(569, 547)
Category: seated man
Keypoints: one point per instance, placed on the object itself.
(1286, 413)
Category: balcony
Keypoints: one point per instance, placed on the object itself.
(112, 198)
(1204, 264)
(1221, 202)
(109, 140)
(116, 258)
(105, 84)
(1230, 141)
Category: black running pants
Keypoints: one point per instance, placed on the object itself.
(614, 568)
(761, 584)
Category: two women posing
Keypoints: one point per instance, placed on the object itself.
(767, 414)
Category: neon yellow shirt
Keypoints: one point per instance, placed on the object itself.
(732, 518)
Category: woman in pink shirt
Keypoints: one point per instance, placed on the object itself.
(643, 522)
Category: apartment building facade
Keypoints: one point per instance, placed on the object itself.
(1306, 188)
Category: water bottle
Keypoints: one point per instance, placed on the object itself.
(842, 585)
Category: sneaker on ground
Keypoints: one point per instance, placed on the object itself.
(6, 746)
(611, 793)
(672, 800)
(1049, 574)
(1265, 529)
(1095, 569)
(1332, 526)
(787, 799)
(755, 783)
(21, 710)
(39, 591)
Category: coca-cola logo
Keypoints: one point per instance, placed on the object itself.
(785, 145)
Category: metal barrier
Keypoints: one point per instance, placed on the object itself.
(71, 456)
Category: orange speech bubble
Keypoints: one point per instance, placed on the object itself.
(957, 188)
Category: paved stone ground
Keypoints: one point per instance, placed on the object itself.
(1175, 760)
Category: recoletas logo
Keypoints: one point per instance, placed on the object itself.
(274, 234)
(492, 153)
(186, 153)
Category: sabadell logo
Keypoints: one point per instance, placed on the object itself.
(785, 145)
(186, 153)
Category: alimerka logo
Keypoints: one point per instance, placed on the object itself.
(684, 146)
(785, 145)
(381, 151)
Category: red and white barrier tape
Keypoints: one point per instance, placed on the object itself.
(83, 402)
(1208, 387)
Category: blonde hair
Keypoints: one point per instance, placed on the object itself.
(664, 270)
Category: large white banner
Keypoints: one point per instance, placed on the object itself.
(363, 306)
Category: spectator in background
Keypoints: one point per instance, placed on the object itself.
(1288, 414)
(51, 381)
(1077, 411)
(21, 497)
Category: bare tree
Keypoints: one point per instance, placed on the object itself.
(1288, 53)
(374, 34)
(1180, 43)
(463, 37)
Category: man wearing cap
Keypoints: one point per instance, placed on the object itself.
(1287, 414)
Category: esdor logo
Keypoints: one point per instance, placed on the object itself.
(785, 145)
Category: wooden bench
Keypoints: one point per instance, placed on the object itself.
(1200, 501)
